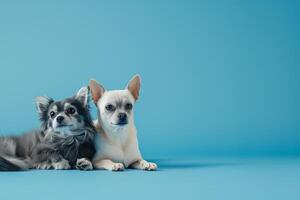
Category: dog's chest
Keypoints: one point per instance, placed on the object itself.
(118, 151)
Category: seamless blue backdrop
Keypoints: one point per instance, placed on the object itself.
(218, 77)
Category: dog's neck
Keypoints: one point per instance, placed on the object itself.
(82, 134)
(118, 135)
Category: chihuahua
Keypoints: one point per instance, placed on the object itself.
(64, 141)
(116, 142)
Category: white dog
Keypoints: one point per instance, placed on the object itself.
(116, 141)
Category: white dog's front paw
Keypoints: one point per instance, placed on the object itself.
(117, 167)
(63, 164)
(144, 165)
(84, 164)
(152, 166)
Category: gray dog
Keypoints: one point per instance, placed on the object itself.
(64, 141)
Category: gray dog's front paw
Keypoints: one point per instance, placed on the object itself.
(63, 164)
(43, 165)
(84, 164)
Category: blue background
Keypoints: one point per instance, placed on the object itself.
(219, 77)
(220, 103)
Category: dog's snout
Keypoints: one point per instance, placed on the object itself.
(122, 117)
(59, 119)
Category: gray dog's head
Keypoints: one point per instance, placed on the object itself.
(65, 117)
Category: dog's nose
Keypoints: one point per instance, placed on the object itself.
(122, 117)
(59, 119)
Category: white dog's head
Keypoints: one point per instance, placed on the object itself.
(115, 107)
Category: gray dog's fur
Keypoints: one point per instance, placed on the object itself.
(58, 144)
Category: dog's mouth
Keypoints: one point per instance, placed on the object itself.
(120, 124)
(64, 126)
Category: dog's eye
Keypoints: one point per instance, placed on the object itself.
(71, 110)
(52, 114)
(110, 107)
(128, 106)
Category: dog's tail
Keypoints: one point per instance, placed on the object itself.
(12, 164)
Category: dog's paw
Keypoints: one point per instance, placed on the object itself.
(43, 165)
(145, 165)
(152, 166)
(117, 167)
(63, 164)
(84, 164)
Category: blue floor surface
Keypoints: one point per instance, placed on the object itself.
(218, 178)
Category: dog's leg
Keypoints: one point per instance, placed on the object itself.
(47, 158)
(144, 165)
(84, 164)
(109, 165)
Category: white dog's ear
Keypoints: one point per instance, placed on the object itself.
(134, 86)
(97, 90)
(43, 103)
(83, 95)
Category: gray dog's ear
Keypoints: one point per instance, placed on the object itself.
(134, 86)
(43, 103)
(83, 96)
(97, 90)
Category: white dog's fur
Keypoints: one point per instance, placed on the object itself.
(117, 145)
